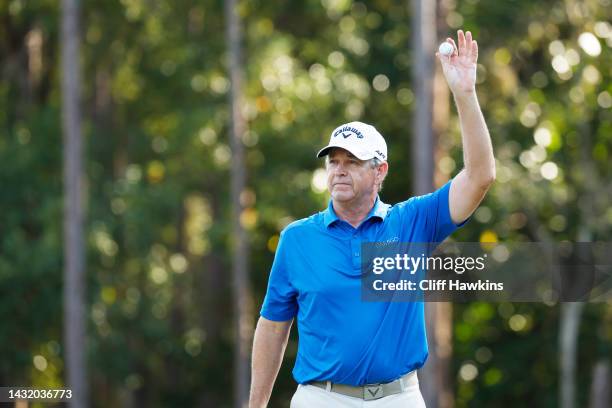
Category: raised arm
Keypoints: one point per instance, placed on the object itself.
(268, 349)
(469, 187)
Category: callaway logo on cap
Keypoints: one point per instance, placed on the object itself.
(359, 138)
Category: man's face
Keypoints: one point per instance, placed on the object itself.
(349, 178)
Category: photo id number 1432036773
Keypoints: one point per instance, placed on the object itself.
(10, 394)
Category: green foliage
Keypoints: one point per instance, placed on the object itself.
(155, 90)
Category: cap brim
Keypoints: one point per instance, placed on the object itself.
(360, 155)
(324, 151)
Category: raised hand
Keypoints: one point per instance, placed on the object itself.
(460, 67)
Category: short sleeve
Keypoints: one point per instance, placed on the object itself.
(280, 303)
(436, 209)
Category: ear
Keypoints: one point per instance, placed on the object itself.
(381, 172)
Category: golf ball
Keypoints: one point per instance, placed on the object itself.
(446, 49)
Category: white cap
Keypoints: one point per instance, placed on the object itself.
(361, 139)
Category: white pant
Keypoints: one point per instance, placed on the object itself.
(309, 396)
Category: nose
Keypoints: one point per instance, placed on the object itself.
(340, 170)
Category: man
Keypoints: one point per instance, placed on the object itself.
(353, 353)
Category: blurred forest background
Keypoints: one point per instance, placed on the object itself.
(160, 216)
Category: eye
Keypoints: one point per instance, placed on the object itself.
(353, 161)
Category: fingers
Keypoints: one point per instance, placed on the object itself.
(461, 40)
(452, 42)
(467, 45)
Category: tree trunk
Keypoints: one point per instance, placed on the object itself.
(442, 336)
(571, 312)
(74, 252)
(423, 46)
(568, 339)
(240, 279)
(424, 26)
(601, 385)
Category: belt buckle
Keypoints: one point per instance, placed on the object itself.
(372, 392)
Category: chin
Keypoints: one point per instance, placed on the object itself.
(343, 196)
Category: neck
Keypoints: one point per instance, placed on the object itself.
(354, 212)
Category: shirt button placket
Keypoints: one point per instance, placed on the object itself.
(356, 251)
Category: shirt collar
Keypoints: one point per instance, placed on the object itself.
(379, 210)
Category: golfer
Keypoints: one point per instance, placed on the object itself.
(353, 353)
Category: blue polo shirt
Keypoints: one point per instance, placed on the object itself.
(316, 276)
